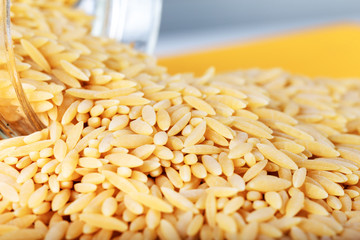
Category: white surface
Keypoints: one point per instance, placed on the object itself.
(183, 15)
(184, 42)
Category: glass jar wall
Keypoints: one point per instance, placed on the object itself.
(135, 22)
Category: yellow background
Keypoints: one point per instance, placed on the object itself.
(328, 51)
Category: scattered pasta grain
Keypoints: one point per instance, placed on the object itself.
(152, 202)
(177, 199)
(73, 70)
(35, 54)
(266, 183)
(130, 151)
(299, 177)
(98, 220)
(276, 156)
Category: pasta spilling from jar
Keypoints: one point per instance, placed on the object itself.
(131, 152)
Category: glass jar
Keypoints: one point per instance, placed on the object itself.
(129, 21)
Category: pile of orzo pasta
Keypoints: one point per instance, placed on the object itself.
(131, 152)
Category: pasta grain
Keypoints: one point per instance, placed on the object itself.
(130, 151)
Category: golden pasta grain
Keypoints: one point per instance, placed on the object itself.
(130, 151)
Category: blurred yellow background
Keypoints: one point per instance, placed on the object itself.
(328, 51)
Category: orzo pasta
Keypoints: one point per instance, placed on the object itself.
(133, 152)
